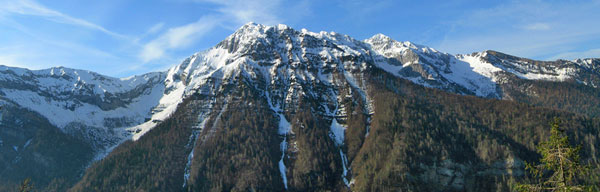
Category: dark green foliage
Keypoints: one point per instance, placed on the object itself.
(26, 186)
(418, 135)
(357, 123)
(58, 185)
(317, 164)
(593, 178)
(239, 147)
(568, 96)
(560, 168)
(236, 150)
(33, 148)
(153, 163)
(420, 139)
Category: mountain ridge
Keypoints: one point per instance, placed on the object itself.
(420, 64)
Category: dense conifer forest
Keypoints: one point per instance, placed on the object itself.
(38, 153)
(415, 134)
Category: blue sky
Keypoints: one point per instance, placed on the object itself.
(127, 37)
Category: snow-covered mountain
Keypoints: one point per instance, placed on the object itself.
(312, 99)
(327, 73)
(477, 73)
(281, 60)
(97, 108)
(308, 56)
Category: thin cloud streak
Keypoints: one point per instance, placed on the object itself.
(72, 47)
(155, 28)
(537, 26)
(32, 8)
(244, 11)
(177, 37)
(231, 14)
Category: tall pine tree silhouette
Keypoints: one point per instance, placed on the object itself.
(559, 168)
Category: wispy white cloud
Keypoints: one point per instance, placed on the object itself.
(67, 45)
(151, 31)
(30, 7)
(155, 28)
(537, 26)
(177, 37)
(159, 43)
(244, 11)
(229, 14)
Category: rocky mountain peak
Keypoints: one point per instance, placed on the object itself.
(380, 37)
(252, 33)
(386, 44)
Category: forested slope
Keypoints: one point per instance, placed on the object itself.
(419, 138)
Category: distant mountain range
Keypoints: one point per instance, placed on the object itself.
(273, 108)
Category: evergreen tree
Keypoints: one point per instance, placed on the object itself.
(560, 169)
(26, 186)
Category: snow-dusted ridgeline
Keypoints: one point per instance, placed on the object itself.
(75, 100)
(118, 109)
(473, 74)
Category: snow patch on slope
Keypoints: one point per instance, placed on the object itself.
(284, 129)
(284, 125)
(65, 96)
(556, 75)
(337, 134)
(203, 69)
(337, 131)
(474, 74)
(167, 104)
(61, 114)
(192, 144)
